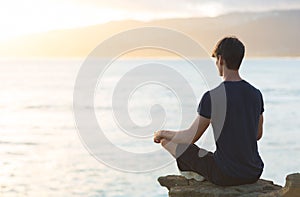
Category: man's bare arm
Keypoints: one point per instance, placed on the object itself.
(188, 136)
(260, 127)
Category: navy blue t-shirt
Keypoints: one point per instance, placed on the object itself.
(234, 108)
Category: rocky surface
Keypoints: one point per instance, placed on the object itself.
(179, 186)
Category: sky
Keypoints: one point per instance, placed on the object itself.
(19, 17)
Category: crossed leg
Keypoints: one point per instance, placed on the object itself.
(169, 146)
(184, 169)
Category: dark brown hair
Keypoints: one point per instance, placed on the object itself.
(232, 51)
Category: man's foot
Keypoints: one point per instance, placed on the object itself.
(192, 175)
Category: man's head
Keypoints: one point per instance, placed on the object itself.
(230, 51)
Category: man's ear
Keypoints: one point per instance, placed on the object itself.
(221, 60)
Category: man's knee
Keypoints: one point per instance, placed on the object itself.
(169, 146)
(164, 142)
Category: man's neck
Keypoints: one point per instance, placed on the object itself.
(231, 75)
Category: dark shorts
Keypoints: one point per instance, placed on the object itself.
(192, 158)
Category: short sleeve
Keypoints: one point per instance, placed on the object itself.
(204, 108)
(261, 103)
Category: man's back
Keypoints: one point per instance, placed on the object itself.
(237, 153)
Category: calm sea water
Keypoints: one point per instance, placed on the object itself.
(42, 154)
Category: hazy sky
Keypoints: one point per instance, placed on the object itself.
(21, 17)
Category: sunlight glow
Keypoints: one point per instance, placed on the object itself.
(210, 9)
(19, 17)
(25, 17)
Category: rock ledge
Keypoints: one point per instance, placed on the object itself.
(179, 186)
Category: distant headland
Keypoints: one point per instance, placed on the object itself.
(266, 34)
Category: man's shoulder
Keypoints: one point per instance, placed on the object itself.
(243, 84)
(240, 86)
(252, 87)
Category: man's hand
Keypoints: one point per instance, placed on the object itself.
(158, 136)
(260, 127)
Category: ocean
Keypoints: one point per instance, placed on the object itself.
(44, 151)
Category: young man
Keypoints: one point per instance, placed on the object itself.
(236, 160)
